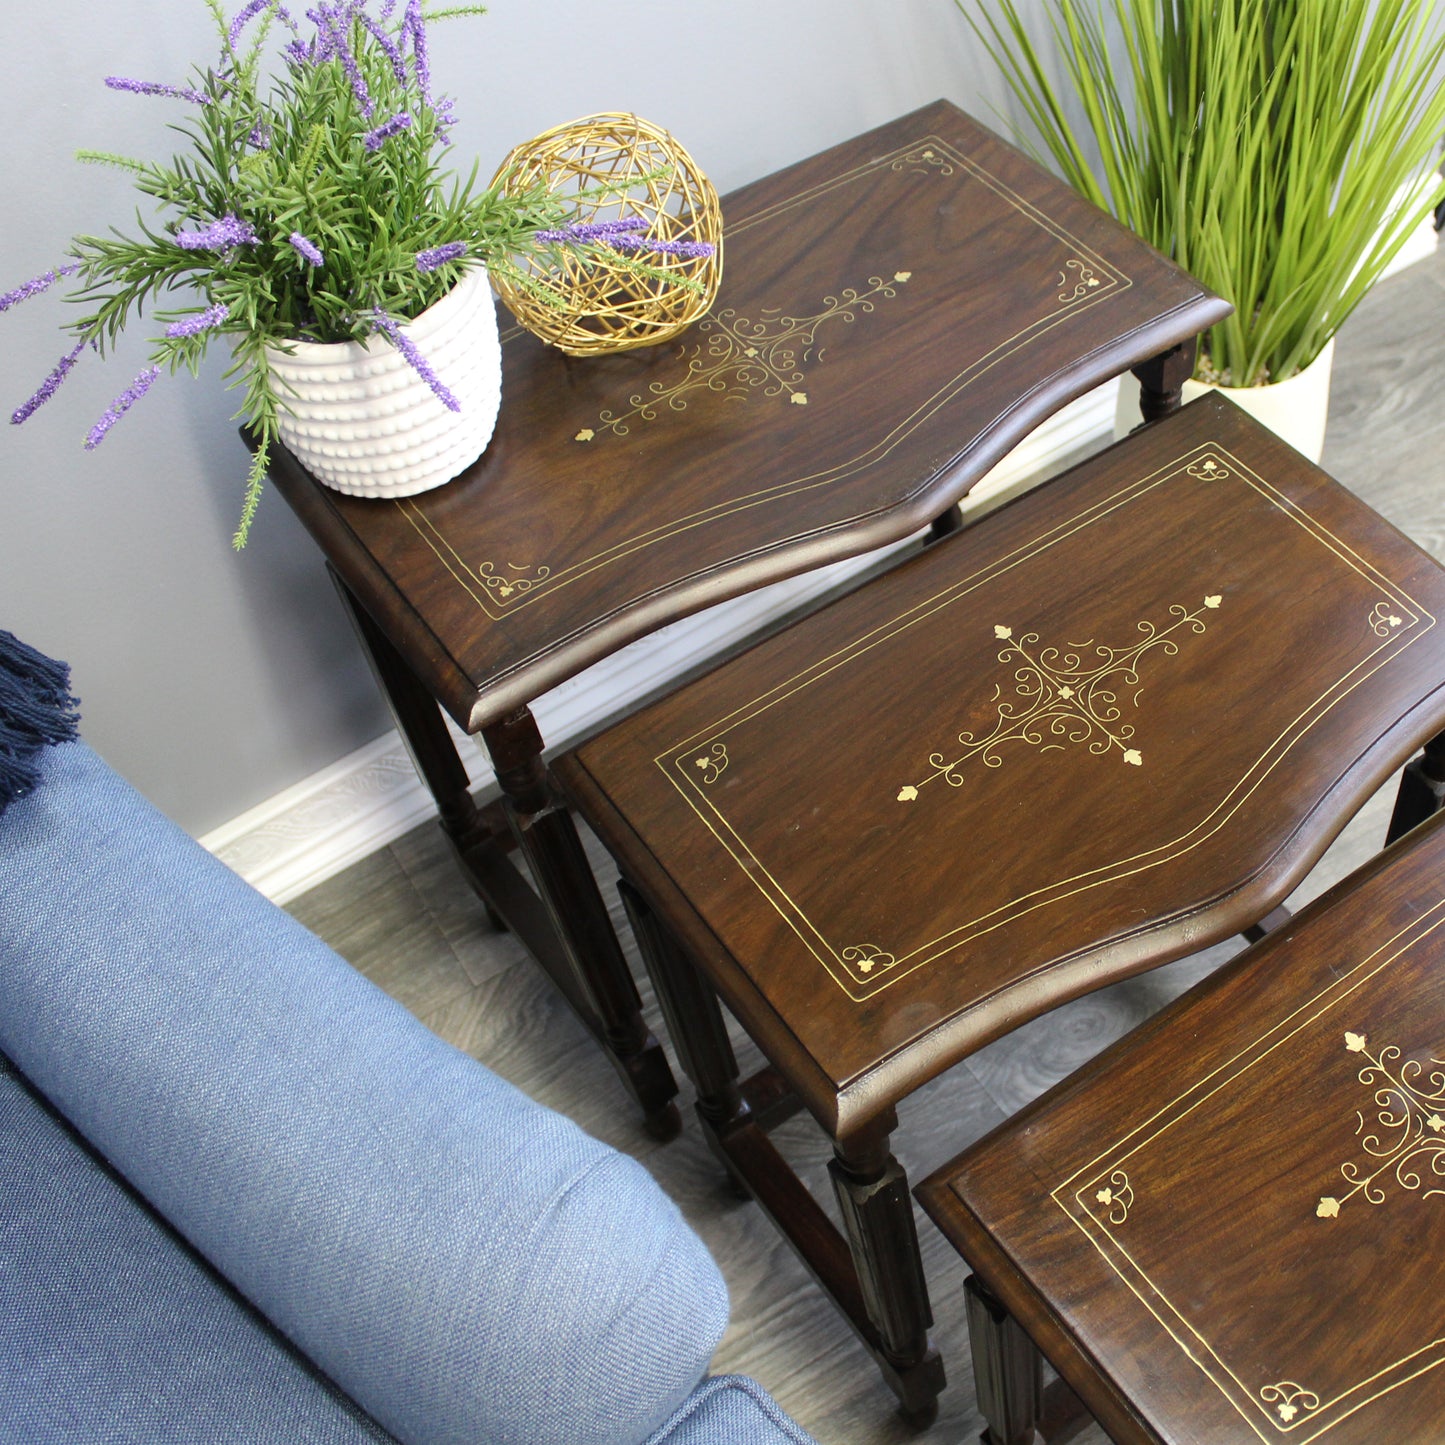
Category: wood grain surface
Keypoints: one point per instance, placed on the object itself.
(1236, 1213)
(1114, 722)
(895, 314)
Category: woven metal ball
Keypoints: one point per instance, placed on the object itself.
(644, 173)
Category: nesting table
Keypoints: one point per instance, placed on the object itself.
(896, 313)
(1109, 724)
(1231, 1225)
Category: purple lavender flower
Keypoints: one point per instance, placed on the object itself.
(154, 87)
(387, 8)
(330, 27)
(309, 250)
(375, 139)
(36, 285)
(48, 387)
(594, 230)
(414, 358)
(414, 26)
(389, 47)
(440, 255)
(230, 231)
(658, 246)
(243, 19)
(206, 320)
(120, 406)
(260, 137)
(444, 113)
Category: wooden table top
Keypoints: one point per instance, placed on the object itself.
(1236, 1215)
(1109, 724)
(895, 314)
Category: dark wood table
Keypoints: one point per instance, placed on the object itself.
(895, 315)
(1231, 1225)
(1110, 724)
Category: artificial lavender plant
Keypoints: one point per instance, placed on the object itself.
(311, 203)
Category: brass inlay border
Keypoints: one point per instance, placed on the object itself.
(1416, 621)
(1411, 1129)
(1076, 1196)
(1059, 698)
(1053, 314)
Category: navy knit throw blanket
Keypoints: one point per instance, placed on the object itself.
(36, 709)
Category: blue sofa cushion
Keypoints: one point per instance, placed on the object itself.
(731, 1410)
(467, 1265)
(113, 1330)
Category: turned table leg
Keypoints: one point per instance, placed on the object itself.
(599, 976)
(1007, 1369)
(1162, 378)
(877, 1209)
(567, 928)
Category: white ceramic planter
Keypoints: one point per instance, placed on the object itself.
(1296, 409)
(364, 422)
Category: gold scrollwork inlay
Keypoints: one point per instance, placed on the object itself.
(866, 957)
(1117, 1196)
(1407, 1135)
(1064, 695)
(712, 764)
(923, 158)
(1384, 619)
(1209, 469)
(1083, 278)
(736, 355)
(515, 580)
(1288, 1399)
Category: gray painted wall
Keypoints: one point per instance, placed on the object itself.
(212, 680)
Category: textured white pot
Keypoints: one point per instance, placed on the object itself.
(364, 422)
(1295, 410)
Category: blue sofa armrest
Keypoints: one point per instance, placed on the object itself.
(467, 1265)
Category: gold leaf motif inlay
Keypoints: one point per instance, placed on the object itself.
(516, 579)
(866, 957)
(1117, 1196)
(1063, 696)
(1083, 278)
(1288, 1399)
(1406, 1137)
(735, 356)
(712, 764)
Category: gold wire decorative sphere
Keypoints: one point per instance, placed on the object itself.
(619, 167)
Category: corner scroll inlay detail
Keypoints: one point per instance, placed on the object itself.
(1117, 1196)
(923, 158)
(516, 579)
(736, 356)
(865, 958)
(1384, 620)
(1083, 278)
(712, 764)
(1407, 1134)
(1288, 1399)
(1063, 696)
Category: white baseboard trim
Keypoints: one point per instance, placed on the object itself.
(362, 802)
(326, 822)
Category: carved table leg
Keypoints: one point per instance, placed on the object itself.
(877, 1209)
(1422, 790)
(567, 930)
(419, 721)
(599, 975)
(1007, 1369)
(1162, 378)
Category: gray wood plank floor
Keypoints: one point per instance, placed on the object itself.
(405, 918)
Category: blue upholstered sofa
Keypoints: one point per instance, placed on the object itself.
(244, 1196)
